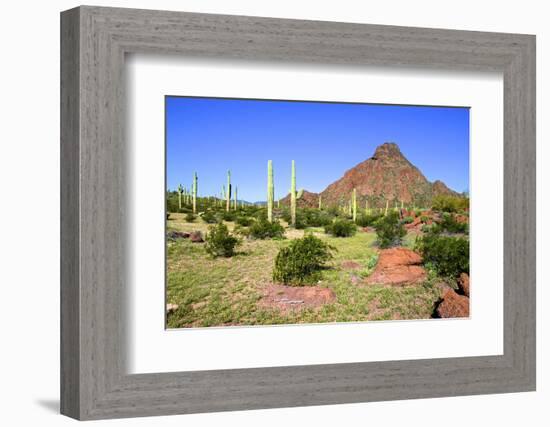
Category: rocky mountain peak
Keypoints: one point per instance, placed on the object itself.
(387, 150)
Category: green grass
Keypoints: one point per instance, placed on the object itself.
(225, 291)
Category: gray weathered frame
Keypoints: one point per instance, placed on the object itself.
(94, 41)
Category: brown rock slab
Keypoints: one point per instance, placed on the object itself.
(398, 266)
(177, 235)
(295, 297)
(453, 305)
(464, 284)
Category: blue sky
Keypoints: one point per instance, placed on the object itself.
(212, 135)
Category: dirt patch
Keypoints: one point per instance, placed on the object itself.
(351, 265)
(398, 266)
(287, 298)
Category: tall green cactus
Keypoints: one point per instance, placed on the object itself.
(367, 207)
(293, 196)
(270, 191)
(228, 191)
(354, 203)
(195, 190)
(387, 205)
(180, 191)
(235, 200)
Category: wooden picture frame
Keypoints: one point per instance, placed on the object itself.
(94, 41)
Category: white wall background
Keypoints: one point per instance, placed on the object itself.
(29, 231)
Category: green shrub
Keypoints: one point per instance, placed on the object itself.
(424, 219)
(367, 220)
(301, 261)
(314, 218)
(389, 230)
(445, 203)
(244, 221)
(219, 242)
(448, 255)
(449, 224)
(209, 217)
(407, 220)
(341, 228)
(190, 217)
(228, 215)
(263, 229)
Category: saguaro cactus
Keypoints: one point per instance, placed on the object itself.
(354, 204)
(270, 191)
(367, 207)
(195, 190)
(293, 196)
(387, 205)
(180, 191)
(228, 191)
(236, 200)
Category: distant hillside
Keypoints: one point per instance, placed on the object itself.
(387, 175)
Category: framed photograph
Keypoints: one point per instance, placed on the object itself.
(261, 213)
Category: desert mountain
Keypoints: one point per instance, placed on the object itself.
(387, 175)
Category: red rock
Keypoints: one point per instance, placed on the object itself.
(196, 237)
(453, 305)
(398, 266)
(464, 284)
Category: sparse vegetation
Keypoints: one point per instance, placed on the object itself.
(190, 217)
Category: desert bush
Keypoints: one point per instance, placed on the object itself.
(389, 230)
(209, 217)
(244, 221)
(367, 220)
(449, 224)
(190, 217)
(341, 228)
(315, 217)
(228, 215)
(301, 261)
(263, 229)
(219, 242)
(424, 219)
(445, 203)
(448, 255)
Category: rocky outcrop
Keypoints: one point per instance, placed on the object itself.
(453, 305)
(464, 284)
(307, 200)
(397, 266)
(387, 175)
